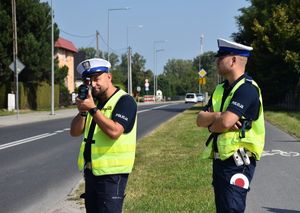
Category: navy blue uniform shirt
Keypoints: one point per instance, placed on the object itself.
(244, 102)
(125, 112)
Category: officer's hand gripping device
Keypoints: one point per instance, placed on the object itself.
(83, 91)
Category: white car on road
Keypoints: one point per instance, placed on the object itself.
(191, 98)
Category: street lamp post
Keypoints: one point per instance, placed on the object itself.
(155, 79)
(52, 62)
(201, 52)
(129, 73)
(154, 65)
(108, 10)
(127, 32)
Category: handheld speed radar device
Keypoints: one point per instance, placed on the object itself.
(83, 89)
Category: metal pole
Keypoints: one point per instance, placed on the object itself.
(155, 82)
(128, 67)
(201, 52)
(154, 70)
(130, 73)
(127, 44)
(108, 10)
(52, 62)
(108, 34)
(15, 53)
(154, 65)
(97, 45)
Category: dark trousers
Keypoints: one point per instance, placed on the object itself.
(230, 198)
(104, 194)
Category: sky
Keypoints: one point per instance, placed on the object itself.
(176, 24)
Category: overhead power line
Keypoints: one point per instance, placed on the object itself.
(78, 36)
(91, 41)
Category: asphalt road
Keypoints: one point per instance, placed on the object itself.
(276, 183)
(38, 160)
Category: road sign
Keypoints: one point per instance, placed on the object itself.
(20, 66)
(202, 81)
(202, 73)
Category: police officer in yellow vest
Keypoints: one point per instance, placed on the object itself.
(234, 116)
(107, 120)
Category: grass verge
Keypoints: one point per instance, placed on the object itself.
(287, 121)
(169, 175)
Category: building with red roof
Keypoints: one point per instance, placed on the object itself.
(64, 51)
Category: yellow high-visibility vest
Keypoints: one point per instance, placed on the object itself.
(109, 156)
(230, 141)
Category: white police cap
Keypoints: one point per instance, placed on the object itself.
(232, 48)
(93, 66)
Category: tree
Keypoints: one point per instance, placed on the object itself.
(90, 52)
(272, 28)
(138, 71)
(208, 63)
(34, 39)
(181, 76)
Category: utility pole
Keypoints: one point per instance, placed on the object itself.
(15, 52)
(97, 44)
(201, 52)
(52, 62)
(129, 77)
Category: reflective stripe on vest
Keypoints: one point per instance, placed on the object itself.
(109, 156)
(229, 141)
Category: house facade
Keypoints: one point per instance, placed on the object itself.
(64, 51)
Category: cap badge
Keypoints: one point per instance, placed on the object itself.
(86, 65)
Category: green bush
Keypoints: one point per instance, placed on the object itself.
(43, 96)
(3, 96)
(23, 101)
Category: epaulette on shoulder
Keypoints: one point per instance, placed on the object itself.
(248, 80)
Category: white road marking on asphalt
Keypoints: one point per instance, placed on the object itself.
(28, 140)
(146, 110)
(37, 137)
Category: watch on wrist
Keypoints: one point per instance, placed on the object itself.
(93, 111)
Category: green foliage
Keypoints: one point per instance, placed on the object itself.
(43, 96)
(34, 39)
(138, 71)
(34, 50)
(273, 29)
(60, 75)
(208, 63)
(285, 120)
(64, 96)
(90, 52)
(181, 76)
(23, 101)
(3, 95)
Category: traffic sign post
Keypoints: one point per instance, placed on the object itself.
(202, 73)
(17, 66)
(202, 81)
(20, 66)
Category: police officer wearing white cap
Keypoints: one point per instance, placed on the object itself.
(234, 116)
(107, 151)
